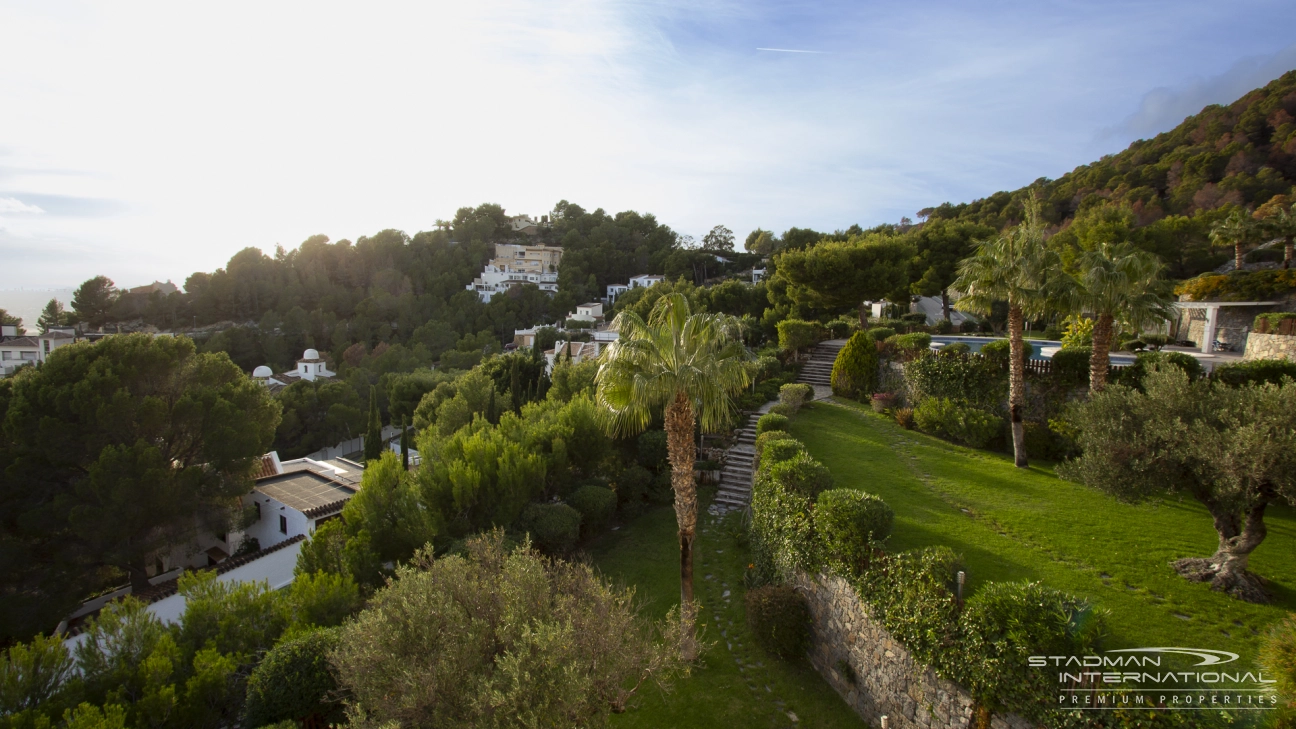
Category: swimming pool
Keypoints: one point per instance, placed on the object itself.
(1044, 348)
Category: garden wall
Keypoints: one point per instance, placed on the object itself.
(888, 681)
(1270, 346)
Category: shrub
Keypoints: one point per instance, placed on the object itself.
(883, 401)
(881, 334)
(1133, 375)
(914, 319)
(956, 348)
(1005, 624)
(943, 326)
(945, 418)
(786, 411)
(596, 505)
(1054, 333)
(779, 620)
(915, 342)
(1071, 366)
(294, 682)
(1155, 341)
(554, 527)
(998, 351)
(324, 599)
(1239, 285)
(912, 593)
(801, 475)
(782, 531)
(975, 380)
(632, 488)
(838, 328)
(795, 395)
(855, 371)
(1134, 345)
(768, 437)
(652, 449)
(795, 335)
(851, 524)
(1254, 371)
(771, 421)
(500, 637)
(904, 417)
(777, 451)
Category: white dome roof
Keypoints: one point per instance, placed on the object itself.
(262, 371)
(310, 354)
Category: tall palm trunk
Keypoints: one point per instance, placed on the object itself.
(679, 450)
(1287, 253)
(1237, 256)
(945, 305)
(1016, 384)
(1099, 361)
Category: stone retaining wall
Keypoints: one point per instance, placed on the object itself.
(1270, 346)
(888, 681)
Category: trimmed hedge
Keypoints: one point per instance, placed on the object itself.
(1132, 376)
(800, 474)
(881, 334)
(914, 342)
(777, 451)
(1255, 371)
(1070, 367)
(999, 349)
(855, 371)
(795, 394)
(771, 421)
(779, 620)
(973, 380)
(554, 527)
(851, 524)
(786, 411)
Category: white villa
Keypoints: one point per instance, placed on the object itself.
(310, 367)
(515, 265)
(579, 351)
(16, 350)
(590, 312)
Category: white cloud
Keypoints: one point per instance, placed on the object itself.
(11, 205)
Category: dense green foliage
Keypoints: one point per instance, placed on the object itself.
(1254, 371)
(973, 380)
(779, 620)
(596, 505)
(771, 421)
(554, 527)
(94, 433)
(499, 638)
(855, 370)
(294, 682)
(851, 525)
(945, 418)
(794, 395)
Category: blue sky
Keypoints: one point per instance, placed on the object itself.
(155, 139)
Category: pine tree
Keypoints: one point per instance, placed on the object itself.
(52, 316)
(490, 408)
(515, 386)
(373, 445)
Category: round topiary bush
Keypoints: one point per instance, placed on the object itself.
(795, 394)
(596, 505)
(779, 620)
(999, 349)
(786, 411)
(851, 524)
(855, 371)
(777, 451)
(881, 334)
(554, 527)
(294, 683)
(915, 342)
(802, 475)
(632, 488)
(956, 348)
(771, 421)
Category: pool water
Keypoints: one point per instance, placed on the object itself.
(1044, 348)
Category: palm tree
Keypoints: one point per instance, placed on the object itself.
(689, 366)
(1016, 267)
(1236, 230)
(1117, 283)
(1283, 225)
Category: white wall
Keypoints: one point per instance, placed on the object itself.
(266, 529)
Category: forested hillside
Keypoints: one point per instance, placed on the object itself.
(1164, 193)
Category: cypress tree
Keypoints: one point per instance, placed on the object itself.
(515, 386)
(373, 445)
(404, 445)
(490, 408)
(855, 371)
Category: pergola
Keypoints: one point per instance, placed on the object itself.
(1212, 316)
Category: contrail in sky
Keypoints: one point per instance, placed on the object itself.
(788, 50)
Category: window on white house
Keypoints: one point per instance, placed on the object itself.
(46, 343)
(283, 524)
(30, 356)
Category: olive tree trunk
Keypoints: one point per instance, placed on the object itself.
(1016, 384)
(1226, 570)
(1099, 359)
(680, 453)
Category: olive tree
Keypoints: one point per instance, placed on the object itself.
(498, 638)
(1233, 449)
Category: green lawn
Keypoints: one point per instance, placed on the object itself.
(1012, 524)
(736, 684)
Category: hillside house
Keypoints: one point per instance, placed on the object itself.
(515, 265)
(578, 351)
(16, 351)
(311, 367)
(590, 312)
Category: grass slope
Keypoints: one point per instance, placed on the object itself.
(1013, 524)
(736, 684)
